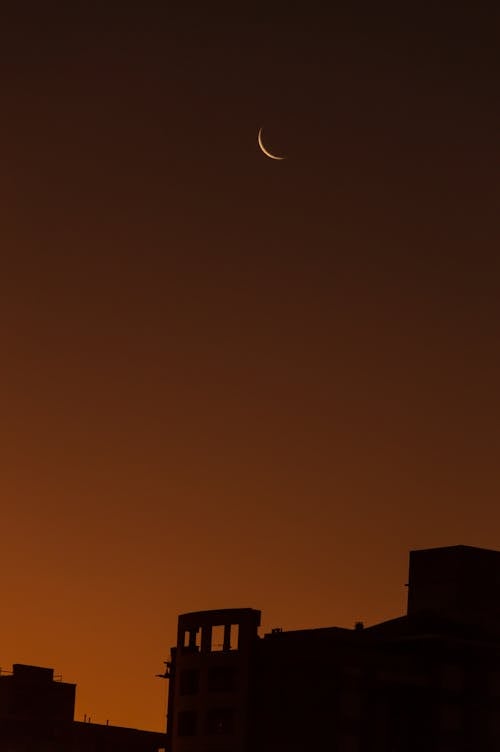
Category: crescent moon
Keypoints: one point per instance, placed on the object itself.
(263, 148)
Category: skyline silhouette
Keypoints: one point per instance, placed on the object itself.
(428, 679)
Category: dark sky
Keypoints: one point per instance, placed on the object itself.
(226, 380)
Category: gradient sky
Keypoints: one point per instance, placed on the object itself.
(228, 381)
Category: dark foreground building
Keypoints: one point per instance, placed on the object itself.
(36, 715)
(425, 682)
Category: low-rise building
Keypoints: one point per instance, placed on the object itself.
(37, 715)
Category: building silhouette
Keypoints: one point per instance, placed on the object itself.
(37, 715)
(428, 681)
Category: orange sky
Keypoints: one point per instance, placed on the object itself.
(228, 381)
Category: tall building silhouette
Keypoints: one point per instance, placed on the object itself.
(427, 681)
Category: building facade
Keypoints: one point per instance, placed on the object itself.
(37, 715)
(210, 676)
(428, 680)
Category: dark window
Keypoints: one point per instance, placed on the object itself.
(221, 679)
(220, 721)
(186, 723)
(189, 682)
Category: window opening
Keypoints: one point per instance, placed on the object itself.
(234, 635)
(217, 638)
